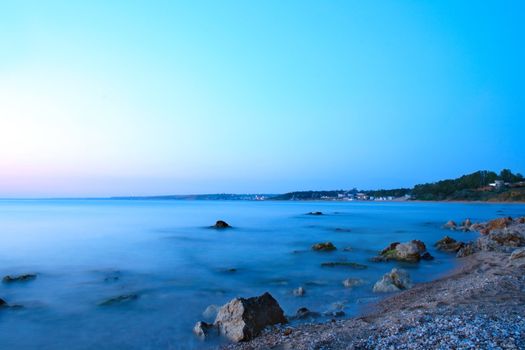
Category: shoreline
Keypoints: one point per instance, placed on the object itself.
(480, 303)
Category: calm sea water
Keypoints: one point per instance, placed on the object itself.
(164, 252)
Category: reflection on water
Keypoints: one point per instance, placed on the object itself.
(139, 274)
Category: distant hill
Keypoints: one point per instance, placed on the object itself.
(481, 185)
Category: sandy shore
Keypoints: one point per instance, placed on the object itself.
(480, 305)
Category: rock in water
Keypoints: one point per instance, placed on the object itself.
(448, 244)
(211, 311)
(221, 224)
(20, 278)
(299, 292)
(315, 213)
(243, 319)
(450, 225)
(412, 251)
(3, 303)
(352, 282)
(324, 247)
(119, 299)
(393, 281)
(202, 329)
(304, 312)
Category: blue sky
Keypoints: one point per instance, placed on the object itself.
(149, 97)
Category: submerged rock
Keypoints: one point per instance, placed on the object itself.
(450, 225)
(352, 282)
(304, 312)
(19, 278)
(119, 299)
(221, 224)
(393, 281)
(299, 292)
(448, 244)
(324, 247)
(202, 329)
(243, 319)
(412, 251)
(349, 264)
(210, 312)
(315, 213)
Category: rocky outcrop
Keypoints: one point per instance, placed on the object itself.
(412, 251)
(299, 292)
(324, 247)
(448, 244)
(393, 281)
(243, 319)
(496, 224)
(19, 278)
(220, 224)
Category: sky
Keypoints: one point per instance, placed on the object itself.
(106, 98)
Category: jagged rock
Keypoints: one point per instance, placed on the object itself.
(202, 329)
(119, 299)
(466, 250)
(324, 247)
(299, 292)
(352, 282)
(412, 251)
(19, 278)
(211, 311)
(393, 281)
(221, 224)
(315, 213)
(448, 244)
(450, 225)
(303, 313)
(243, 319)
(349, 264)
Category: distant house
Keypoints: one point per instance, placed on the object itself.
(497, 184)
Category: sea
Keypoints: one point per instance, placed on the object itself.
(166, 264)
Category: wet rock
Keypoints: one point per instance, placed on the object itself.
(315, 213)
(299, 292)
(448, 244)
(348, 264)
(477, 227)
(324, 247)
(465, 225)
(304, 312)
(501, 240)
(119, 299)
(393, 281)
(202, 329)
(19, 278)
(352, 282)
(466, 250)
(211, 311)
(220, 224)
(243, 319)
(3, 303)
(412, 251)
(450, 225)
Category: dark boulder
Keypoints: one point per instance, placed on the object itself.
(220, 224)
(324, 247)
(448, 244)
(243, 319)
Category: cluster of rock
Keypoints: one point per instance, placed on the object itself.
(412, 251)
